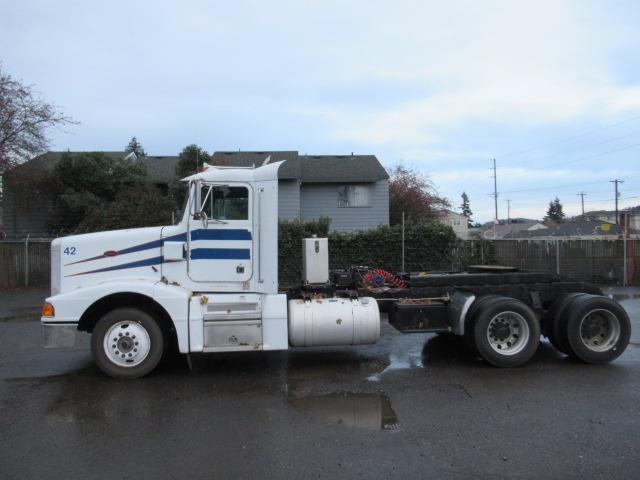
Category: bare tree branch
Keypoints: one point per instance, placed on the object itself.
(415, 195)
(25, 119)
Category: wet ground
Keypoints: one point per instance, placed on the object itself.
(411, 406)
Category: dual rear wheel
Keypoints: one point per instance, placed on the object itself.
(506, 332)
(592, 328)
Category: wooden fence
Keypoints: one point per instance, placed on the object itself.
(597, 261)
(27, 263)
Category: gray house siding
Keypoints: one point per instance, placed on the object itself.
(321, 200)
(289, 199)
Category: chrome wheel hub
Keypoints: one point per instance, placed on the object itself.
(127, 344)
(508, 333)
(599, 330)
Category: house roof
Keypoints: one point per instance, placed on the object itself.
(48, 160)
(504, 230)
(341, 168)
(596, 213)
(305, 168)
(160, 169)
(451, 213)
(310, 168)
(578, 228)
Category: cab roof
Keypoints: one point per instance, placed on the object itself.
(213, 173)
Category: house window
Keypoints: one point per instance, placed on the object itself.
(353, 196)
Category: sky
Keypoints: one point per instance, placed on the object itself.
(550, 89)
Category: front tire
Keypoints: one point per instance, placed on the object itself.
(506, 332)
(127, 343)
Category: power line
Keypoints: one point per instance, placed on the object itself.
(588, 157)
(521, 152)
(585, 147)
(469, 178)
(552, 187)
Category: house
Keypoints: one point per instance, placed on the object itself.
(577, 229)
(27, 210)
(457, 221)
(610, 216)
(352, 190)
(504, 230)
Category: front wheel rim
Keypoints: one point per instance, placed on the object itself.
(127, 344)
(508, 333)
(600, 330)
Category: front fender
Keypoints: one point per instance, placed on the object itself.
(70, 306)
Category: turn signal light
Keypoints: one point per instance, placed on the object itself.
(48, 310)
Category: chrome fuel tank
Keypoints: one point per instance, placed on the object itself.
(333, 321)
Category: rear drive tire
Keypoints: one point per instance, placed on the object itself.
(506, 332)
(127, 343)
(476, 306)
(554, 320)
(598, 329)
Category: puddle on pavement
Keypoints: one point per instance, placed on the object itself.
(356, 410)
(410, 358)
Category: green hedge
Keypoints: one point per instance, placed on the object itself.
(431, 246)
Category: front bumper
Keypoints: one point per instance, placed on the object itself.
(59, 335)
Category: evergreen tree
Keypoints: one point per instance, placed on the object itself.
(555, 212)
(189, 162)
(136, 147)
(466, 209)
(191, 159)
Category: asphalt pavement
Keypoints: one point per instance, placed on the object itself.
(411, 406)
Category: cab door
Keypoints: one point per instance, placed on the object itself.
(220, 243)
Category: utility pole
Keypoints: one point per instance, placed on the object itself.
(508, 211)
(495, 189)
(616, 182)
(582, 194)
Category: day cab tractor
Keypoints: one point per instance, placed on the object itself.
(209, 284)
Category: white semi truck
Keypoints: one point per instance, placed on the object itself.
(210, 284)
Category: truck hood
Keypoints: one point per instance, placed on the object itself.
(81, 260)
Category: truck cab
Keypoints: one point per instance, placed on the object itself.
(210, 281)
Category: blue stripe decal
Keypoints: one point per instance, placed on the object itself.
(221, 234)
(181, 237)
(200, 234)
(140, 263)
(220, 254)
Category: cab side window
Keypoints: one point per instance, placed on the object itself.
(225, 203)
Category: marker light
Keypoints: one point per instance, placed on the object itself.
(48, 310)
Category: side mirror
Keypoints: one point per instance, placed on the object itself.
(205, 219)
